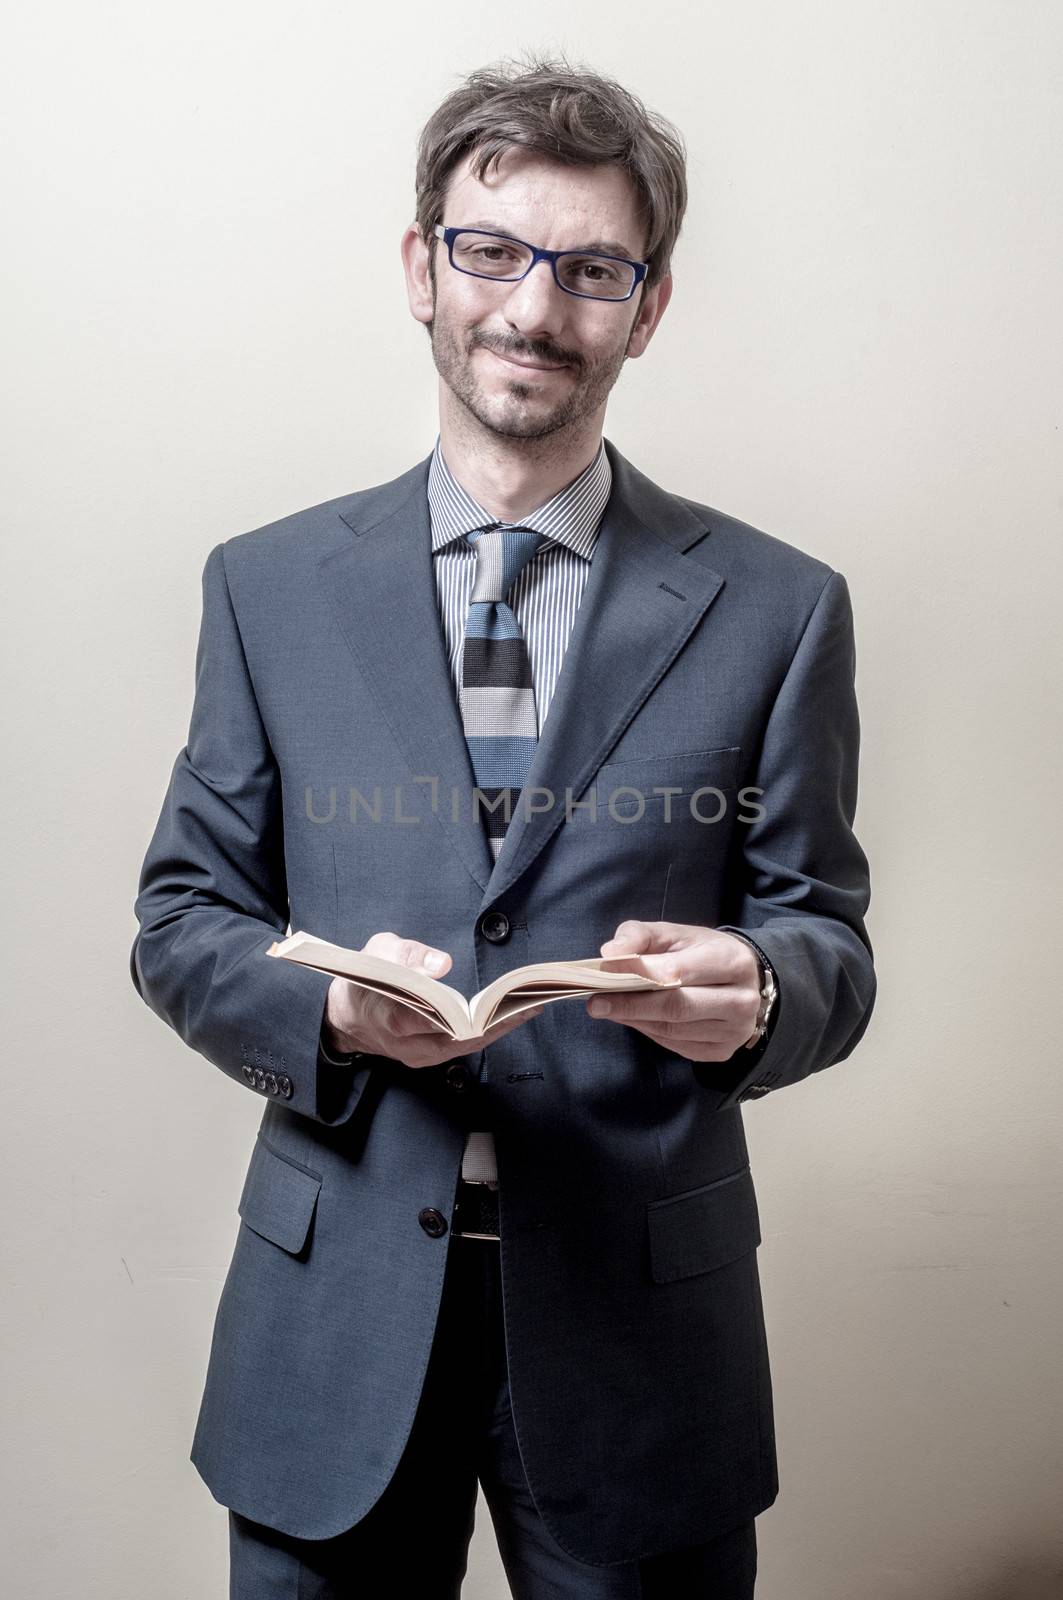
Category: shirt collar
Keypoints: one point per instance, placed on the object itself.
(571, 517)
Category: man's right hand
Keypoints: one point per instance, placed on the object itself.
(361, 1019)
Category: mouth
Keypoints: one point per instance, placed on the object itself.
(527, 366)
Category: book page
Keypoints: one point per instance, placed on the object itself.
(542, 982)
(538, 983)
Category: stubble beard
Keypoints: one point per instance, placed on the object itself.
(519, 414)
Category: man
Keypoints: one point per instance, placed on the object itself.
(612, 720)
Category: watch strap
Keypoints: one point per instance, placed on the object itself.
(769, 990)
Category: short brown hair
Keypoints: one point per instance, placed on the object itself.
(565, 112)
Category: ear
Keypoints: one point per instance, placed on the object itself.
(415, 256)
(650, 313)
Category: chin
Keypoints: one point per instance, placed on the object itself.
(526, 428)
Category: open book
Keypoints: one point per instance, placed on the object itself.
(444, 1007)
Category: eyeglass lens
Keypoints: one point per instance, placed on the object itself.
(486, 257)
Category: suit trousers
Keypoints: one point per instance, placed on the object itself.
(414, 1541)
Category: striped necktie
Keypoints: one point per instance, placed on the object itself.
(498, 694)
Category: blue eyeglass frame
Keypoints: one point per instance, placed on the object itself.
(553, 256)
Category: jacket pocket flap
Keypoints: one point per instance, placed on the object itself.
(685, 769)
(703, 1228)
(278, 1198)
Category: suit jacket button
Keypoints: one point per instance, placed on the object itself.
(260, 1078)
(249, 1073)
(271, 1082)
(284, 1084)
(458, 1077)
(433, 1222)
(495, 926)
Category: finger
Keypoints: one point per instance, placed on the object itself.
(721, 1049)
(630, 938)
(410, 1024)
(706, 963)
(655, 938)
(682, 1036)
(665, 950)
(700, 1003)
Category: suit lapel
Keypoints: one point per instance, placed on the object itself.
(382, 588)
(642, 601)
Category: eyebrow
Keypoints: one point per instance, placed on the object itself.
(604, 247)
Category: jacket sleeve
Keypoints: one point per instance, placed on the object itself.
(802, 887)
(213, 895)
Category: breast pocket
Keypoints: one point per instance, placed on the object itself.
(704, 1228)
(279, 1198)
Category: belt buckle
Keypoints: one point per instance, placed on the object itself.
(460, 1232)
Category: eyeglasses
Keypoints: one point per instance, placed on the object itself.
(496, 255)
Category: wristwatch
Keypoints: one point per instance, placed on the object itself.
(768, 996)
(769, 991)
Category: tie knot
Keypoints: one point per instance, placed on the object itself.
(502, 553)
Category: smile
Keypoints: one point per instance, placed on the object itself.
(526, 366)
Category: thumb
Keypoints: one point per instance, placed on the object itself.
(629, 940)
(414, 953)
(435, 961)
(654, 941)
(408, 952)
(636, 938)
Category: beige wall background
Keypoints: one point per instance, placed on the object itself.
(206, 328)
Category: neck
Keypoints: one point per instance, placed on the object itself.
(512, 477)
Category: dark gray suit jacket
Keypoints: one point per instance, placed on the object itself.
(705, 654)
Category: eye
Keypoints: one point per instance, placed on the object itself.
(592, 269)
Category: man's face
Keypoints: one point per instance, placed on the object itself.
(570, 350)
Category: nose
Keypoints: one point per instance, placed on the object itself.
(536, 306)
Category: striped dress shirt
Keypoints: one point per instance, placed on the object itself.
(544, 599)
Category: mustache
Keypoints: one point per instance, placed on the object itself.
(535, 352)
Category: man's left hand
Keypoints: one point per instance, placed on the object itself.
(715, 1010)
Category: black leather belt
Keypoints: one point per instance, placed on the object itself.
(475, 1211)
